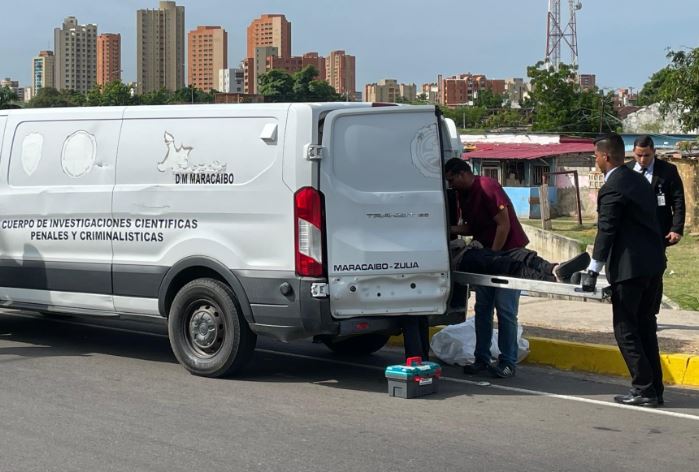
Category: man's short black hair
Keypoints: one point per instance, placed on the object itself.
(457, 165)
(613, 145)
(644, 141)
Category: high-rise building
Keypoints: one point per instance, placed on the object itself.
(295, 64)
(516, 90)
(430, 92)
(14, 86)
(231, 81)
(108, 58)
(587, 81)
(43, 70)
(75, 47)
(340, 73)
(207, 54)
(389, 91)
(256, 65)
(160, 48)
(461, 89)
(270, 30)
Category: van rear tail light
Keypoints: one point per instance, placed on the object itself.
(308, 232)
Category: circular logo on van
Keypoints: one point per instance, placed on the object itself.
(78, 154)
(425, 152)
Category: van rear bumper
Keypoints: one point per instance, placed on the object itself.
(297, 315)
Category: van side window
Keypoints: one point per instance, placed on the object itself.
(63, 153)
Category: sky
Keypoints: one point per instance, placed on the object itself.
(622, 41)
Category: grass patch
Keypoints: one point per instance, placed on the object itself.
(681, 281)
(570, 228)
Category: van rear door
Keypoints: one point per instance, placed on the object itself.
(386, 229)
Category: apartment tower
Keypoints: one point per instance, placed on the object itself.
(75, 47)
(108, 58)
(270, 30)
(43, 70)
(160, 48)
(340, 73)
(207, 54)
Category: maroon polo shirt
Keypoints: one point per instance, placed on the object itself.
(480, 204)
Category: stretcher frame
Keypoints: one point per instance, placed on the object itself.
(602, 291)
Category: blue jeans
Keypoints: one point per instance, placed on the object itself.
(506, 304)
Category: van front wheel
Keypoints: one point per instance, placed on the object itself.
(361, 345)
(207, 332)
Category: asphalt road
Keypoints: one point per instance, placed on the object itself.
(85, 398)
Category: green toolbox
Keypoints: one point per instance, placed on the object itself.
(414, 379)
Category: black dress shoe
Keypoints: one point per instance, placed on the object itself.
(660, 400)
(637, 400)
(565, 270)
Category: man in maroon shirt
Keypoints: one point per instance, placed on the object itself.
(488, 216)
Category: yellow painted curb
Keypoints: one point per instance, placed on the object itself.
(691, 376)
(568, 355)
(678, 369)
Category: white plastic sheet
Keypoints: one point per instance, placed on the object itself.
(455, 343)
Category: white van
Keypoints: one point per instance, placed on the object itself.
(232, 221)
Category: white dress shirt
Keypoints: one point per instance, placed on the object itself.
(649, 171)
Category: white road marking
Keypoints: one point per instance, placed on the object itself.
(652, 411)
(482, 384)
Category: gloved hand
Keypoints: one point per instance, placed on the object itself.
(588, 281)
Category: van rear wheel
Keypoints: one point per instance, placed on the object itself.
(207, 332)
(358, 345)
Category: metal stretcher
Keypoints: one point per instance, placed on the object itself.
(601, 293)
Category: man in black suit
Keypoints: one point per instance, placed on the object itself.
(629, 243)
(669, 191)
(667, 187)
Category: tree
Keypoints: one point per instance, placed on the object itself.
(679, 91)
(155, 97)
(650, 93)
(48, 97)
(276, 86)
(303, 86)
(112, 94)
(7, 96)
(486, 98)
(559, 104)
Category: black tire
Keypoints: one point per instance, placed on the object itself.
(207, 332)
(361, 345)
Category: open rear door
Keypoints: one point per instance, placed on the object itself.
(387, 244)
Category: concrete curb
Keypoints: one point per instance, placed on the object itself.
(678, 369)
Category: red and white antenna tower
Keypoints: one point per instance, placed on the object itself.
(557, 34)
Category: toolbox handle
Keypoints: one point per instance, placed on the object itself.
(413, 360)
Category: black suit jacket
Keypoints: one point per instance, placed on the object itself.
(666, 180)
(628, 235)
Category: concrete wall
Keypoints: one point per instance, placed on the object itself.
(551, 246)
(525, 200)
(565, 205)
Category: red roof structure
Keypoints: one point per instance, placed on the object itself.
(528, 151)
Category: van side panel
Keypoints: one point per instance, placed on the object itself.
(55, 204)
(203, 182)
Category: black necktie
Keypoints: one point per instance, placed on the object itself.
(644, 170)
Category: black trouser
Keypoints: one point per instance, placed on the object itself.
(416, 336)
(519, 262)
(635, 304)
